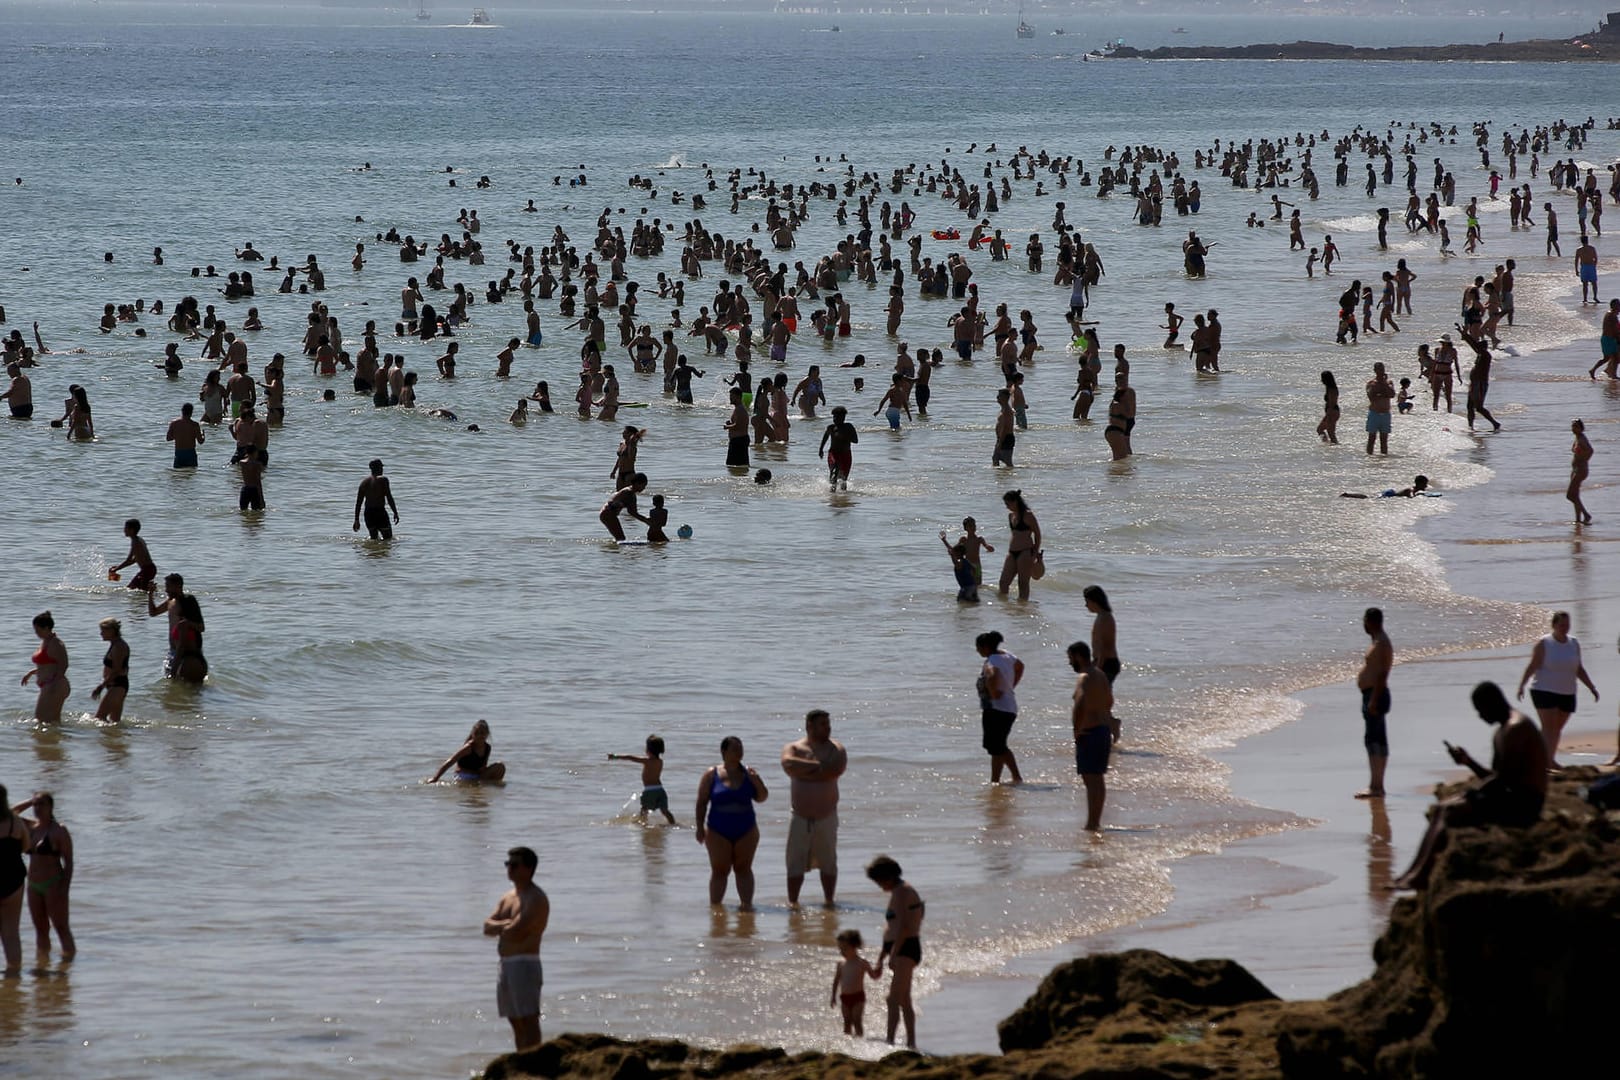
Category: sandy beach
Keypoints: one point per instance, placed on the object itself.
(1301, 907)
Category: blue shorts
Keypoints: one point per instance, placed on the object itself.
(1091, 749)
(1377, 423)
(893, 415)
(1589, 273)
(185, 459)
(964, 349)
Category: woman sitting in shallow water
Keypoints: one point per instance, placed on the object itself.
(472, 760)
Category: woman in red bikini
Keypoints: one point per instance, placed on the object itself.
(49, 671)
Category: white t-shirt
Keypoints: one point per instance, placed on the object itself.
(1003, 663)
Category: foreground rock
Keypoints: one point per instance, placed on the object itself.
(1509, 965)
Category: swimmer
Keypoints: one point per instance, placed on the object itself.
(374, 494)
(656, 520)
(653, 795)
(471, 761)
(1420, 486)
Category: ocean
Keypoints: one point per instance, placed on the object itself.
(266, 886)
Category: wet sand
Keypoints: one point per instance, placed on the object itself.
(1302, 907)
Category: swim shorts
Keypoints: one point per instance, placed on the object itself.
(655, 798)
(964, 349)
(1377, 422)
(1589, 273)
(185, 459)
(22, 412)
(1091, 749)
(997, 725)
(892, 414)
(1376, 736)
(1546, 699)
(812, 843)
(376, 518)
(517, 993)
(778, 353)
(840, 461)
(737, 451)
(1609, 345)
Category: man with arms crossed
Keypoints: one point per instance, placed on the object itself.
(1093, 730)
(518, 924)
(814, 764)
(1373, 682)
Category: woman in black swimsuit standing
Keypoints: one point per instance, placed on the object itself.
(902, 942)
(1023, 547)
(14, 837)
(114, 673)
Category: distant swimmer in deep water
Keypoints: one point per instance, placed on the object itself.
(1420, 486)
(471, 761)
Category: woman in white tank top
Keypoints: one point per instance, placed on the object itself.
(1553, 670)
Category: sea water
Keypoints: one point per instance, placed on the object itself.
(265, 885)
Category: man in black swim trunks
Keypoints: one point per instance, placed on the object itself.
(1511, 792)
(373, 494)
(1093, 730)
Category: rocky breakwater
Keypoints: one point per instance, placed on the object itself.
(1507, 965)
(1551, 50)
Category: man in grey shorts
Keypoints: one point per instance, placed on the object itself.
(518, 923)
(814, 764)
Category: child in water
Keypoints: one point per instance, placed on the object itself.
(975, 544)
(656, 520)
(849, 983)
(967, 585)
(653, 796)
(1403, 400)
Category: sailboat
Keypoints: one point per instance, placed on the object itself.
(422, 13)
(1024, 29)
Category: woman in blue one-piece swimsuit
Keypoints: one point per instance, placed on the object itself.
(726, 824)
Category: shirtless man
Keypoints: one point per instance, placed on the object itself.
(841, 434)
(518, 924)
(1380, 392)
(1512, 790)
(1586, 259)
(1093, 730)
(20, 394)
(1373, 682)
(1609, 342)
(185, 433)
(814, 764)
(374, 493)
(241, 390)
(252, 436)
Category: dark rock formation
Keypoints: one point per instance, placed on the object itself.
(1507, 965)
(1548, 50)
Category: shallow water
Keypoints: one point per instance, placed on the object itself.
(264, 876)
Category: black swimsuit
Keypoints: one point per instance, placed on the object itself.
(117, 682)
(12, 871)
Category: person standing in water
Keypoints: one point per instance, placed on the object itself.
(1373, 682)
(1579, 465)
(518, 924)
(1380, 392)
(1092, 717)
(813, 765)
(999, 675)
(902, 942)
(1103, 650)
(49, 671)
(50, 872)
(841, 435)
(376, 498)
(1023, 547)
(15, 838)
(736, 426)
(726, 823)
(114, 674)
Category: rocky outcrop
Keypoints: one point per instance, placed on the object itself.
(1546, 51)
(1507, 965)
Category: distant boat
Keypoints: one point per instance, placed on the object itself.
(832, 29)
(1179, 30)
(480, 17)
(422, 12)
(1059, 32)
(1024, 29)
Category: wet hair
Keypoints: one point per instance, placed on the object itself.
(989, 640)
(1329, 381)
(883, 870)
(655, 746)
(852, 938)
(46, 620)
(191, 611)
(1095, 594)
(728, 741)
(1374, 616)
(524, 855)
(133, 524)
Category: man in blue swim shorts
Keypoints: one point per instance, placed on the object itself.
(1093, 730)
(1380, 392)
(1586, 269)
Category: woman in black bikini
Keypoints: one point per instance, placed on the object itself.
(114, 673)
(1023, 547)
(14, 838)
(902, 942)
(50, 872)
(1121, 417)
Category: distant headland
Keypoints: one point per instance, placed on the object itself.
(1601, 45)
